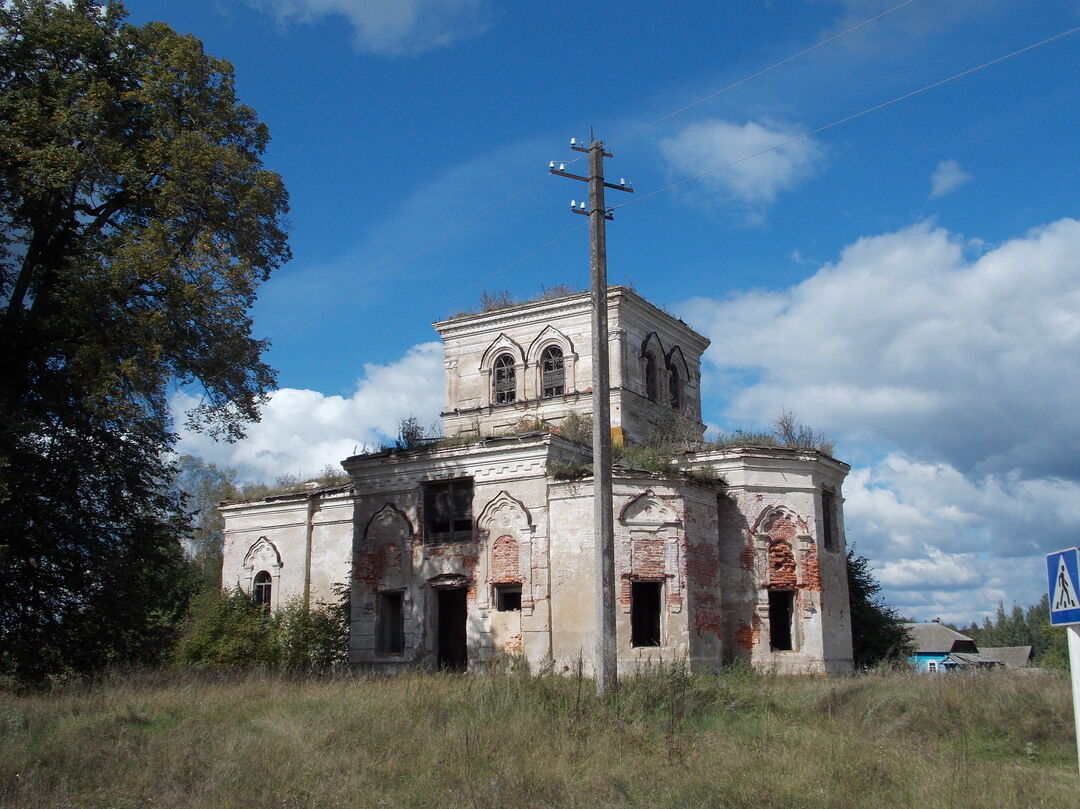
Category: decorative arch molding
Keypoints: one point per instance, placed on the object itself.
(648, 510)
(388, 523)
(262, 554)
(383, 559)
(652, 342)
(771, 523)
(653, 371)
(549, 336)
(507, 513)
(506, 518)
(502, 345)
(675, 359)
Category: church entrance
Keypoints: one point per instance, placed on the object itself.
(452, 613)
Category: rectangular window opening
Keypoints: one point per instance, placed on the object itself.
(448, 510)
(390, 624)
(645, 599)
(508, 597)
(828, 519)
(781, 612)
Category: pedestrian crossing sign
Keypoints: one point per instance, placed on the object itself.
(1062, 577)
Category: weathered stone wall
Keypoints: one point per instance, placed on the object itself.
(771, 537)
(509, 545)
(301, 539)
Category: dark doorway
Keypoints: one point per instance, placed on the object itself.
(645, 613)
(452, 613)
(781, 609)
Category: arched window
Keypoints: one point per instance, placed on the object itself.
(675, 389)
(260, 592)
(505, 380)
(552, 375)
(650, 376)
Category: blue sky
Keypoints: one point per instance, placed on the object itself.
(907, 281)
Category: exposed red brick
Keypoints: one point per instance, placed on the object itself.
(648, 558)
(513, 644)
(748, 556)
(463, 558)
(708, 619)
(811, 570)
(746, 636)
(389, 557)
(782, 571)
(505, 560)
(702, 564)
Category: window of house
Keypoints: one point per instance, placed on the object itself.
(650, 376)
(448, 510)
(828, 519)
(505, 380)
(675, 389)
(507, 597)
(390, 624)
(261, 590)
(552, 375)
(781, 613)
(645, 613)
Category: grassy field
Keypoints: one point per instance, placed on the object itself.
(507, 740)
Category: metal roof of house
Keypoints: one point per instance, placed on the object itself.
(935, 637)
(1014, 657)
(967, 659)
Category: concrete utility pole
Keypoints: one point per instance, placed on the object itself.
(606, 656)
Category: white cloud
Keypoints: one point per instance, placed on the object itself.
(392, 27)
(965, 369)
(302, 431)
(720, 147)
(947, 177)
(905, 340)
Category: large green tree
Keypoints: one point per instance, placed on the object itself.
(136, 221)
(878, 634)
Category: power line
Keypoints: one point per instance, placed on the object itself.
(853, 116)
(762, 72)
(393, 268)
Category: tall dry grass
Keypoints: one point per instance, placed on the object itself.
(504, 739)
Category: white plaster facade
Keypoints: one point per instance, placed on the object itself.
(637, 331)
(459, 554)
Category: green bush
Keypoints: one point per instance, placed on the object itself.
(225, 630)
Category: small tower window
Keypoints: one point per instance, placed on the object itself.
(505, 380)
(675, 389)
(828, 520)
(261, 590)
(553, 377)
(650, 376)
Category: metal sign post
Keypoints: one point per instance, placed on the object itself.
(1062, 578)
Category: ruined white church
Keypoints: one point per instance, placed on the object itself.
(465, 550)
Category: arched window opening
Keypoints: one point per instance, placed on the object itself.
(650, 376)
(260, 592)
(552, 374)
(675, 389)
(505, 380)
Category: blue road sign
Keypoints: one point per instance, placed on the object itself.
(1062, 578)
